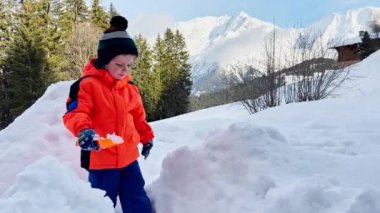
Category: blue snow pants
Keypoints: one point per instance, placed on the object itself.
(126, 182)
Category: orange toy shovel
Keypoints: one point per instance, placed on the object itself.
(108, 142)
(105, 143)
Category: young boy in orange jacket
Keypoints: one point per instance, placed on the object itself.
(104, 101)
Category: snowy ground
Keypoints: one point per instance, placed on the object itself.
(315, 157)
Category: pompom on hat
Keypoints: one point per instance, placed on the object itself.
(115, 41)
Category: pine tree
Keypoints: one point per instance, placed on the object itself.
(143, 76)
(183, 85)
(365, 47)
(26, 62)
(5, 115)
(173, 69)
(167, 102)
(160, 73)
(375, 26)
(6, 8)
(112, 11)
(79, 11)
(52, 40)
(5, 26)
(98, 16)
(68, 13)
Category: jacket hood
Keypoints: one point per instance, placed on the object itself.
(103, 75)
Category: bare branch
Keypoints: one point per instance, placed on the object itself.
(80, 47)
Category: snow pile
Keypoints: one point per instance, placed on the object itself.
(364, 78)
(319, 162)
(317, 196)
(39, 131)
(50, 186)
(307, 157)
(227, 171)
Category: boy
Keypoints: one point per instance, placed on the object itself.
(106, 102)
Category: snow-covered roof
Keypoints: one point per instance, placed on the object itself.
(354, 40)
(350, 41)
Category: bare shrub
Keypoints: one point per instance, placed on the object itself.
(311, 74)
(81, 46)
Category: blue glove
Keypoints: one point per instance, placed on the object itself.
(146, 149)
(86, 140)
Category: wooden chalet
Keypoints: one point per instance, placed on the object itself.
(348, 53)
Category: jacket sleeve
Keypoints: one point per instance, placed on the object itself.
(78, 118)
(139, 118)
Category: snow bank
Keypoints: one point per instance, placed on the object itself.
(248, 168)
(51, 186)
(223, 175)
(364, 78)
(39, 131)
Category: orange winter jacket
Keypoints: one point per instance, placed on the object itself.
(109, 106)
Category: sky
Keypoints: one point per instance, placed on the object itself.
(284, 13)
(310, 157)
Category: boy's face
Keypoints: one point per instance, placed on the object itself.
(120, 66)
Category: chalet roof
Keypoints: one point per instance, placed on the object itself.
(348, 42)
(354, 40)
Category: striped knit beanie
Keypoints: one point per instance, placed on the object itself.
(115, 41)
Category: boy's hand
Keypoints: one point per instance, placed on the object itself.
(146, 149)
(86, 140)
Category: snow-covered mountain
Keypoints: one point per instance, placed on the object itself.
(218, 43)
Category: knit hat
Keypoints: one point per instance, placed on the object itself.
(115, 41)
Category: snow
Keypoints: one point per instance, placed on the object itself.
(198, 31)
(115, 138)
(307, 157)
(313, 157)
(363, 78)
(48, 185)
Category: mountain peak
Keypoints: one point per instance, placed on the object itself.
(346, 25)
(243, 14)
